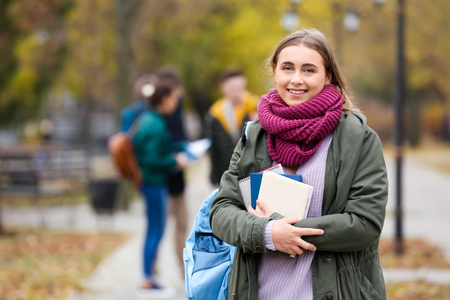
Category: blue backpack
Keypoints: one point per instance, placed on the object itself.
(207, 259)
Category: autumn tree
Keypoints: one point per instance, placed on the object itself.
(109, 44)
(32, 48)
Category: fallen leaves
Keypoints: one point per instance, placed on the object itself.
(40, 264)
(418, 253)
(417, 290)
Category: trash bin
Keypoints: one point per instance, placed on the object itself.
(103, 194)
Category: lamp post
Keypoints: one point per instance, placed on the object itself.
(399, 103)
(351, 20)
(290, 19)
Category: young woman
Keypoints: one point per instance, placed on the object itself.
(156, 158)
(309, 125)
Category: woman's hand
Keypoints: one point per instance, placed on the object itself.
(264, 207)
(287, 238)
(182, 161)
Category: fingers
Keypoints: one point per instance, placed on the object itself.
(253, 211)
(267, 210)
(299, 250)
(288, 238)
(307, 246)
(290, 220)
(312, 231)
(296, 251)
(309, 231)
(301, 245)
(182, 161)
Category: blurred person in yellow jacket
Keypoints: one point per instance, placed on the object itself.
(225, 119)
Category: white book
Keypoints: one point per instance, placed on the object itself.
(286, 196)
(245, 186)
(194, 150)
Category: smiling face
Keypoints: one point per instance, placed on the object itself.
(299, 74)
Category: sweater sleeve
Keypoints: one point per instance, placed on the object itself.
(268, 236)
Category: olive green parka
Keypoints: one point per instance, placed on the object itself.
(346, 264)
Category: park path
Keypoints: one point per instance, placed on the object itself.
(426, 208)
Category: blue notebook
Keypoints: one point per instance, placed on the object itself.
(245, 188)
(255, 184)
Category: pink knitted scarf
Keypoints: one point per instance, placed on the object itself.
(296, 132)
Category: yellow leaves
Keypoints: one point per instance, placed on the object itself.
(203, 37)
(247, 42)
(91, 65)
(417, 290)
(45, 265)
(432, 117)
(26, 48)
(418, 254)
(21, 86)
(22, 82)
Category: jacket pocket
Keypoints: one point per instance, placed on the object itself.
(353, 285)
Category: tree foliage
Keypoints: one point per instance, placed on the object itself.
(32, 50)
(91, 65)
(107, 46)
(203, 38)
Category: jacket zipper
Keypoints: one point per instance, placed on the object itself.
(235, 283)
(338, 277)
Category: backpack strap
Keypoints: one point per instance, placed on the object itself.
(134, 126)
(245, 132)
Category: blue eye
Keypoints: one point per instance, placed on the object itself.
(309, 70)
(287, 68)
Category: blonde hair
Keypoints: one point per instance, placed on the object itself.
(316, 40)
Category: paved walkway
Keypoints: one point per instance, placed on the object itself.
(118, 277)
(425, 202)
(426, 207)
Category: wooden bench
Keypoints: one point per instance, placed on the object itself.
(42, 172)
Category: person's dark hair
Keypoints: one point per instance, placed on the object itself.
(163, 88)
(169, 74)
(138, 90)
(230, 74)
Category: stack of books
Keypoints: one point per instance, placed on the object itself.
(284, 193)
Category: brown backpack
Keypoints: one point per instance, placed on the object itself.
(122, 152)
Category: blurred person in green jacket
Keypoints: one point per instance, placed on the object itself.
(157, 157)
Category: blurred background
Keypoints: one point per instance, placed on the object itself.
(63, 58)
(67, 68)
